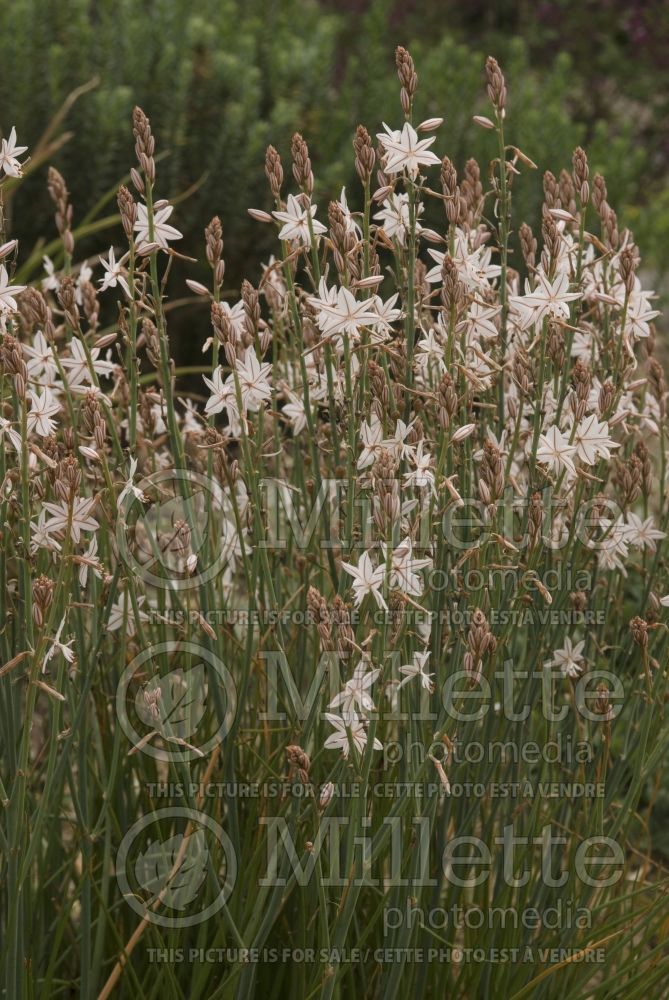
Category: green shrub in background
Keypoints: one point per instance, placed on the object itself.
(221, 79)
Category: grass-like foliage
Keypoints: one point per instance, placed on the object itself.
(343, 673)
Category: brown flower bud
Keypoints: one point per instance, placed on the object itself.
(365, 156)
(496, 84)
(145, 145)
(406, 73)
(302, 172)
(274, 171)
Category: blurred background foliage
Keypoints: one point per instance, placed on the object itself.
(220, 79)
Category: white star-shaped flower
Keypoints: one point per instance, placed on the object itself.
(339, 740)
(417, 669)
(555, 451)
(9, 153)
(405, 151)
(161, 231)
(569, 658)
(295, 220)
(366, 580)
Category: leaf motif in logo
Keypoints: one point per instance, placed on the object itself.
(173, 871)
(180, 706)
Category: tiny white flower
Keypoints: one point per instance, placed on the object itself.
(122, 611)
(417, 669)
(114, 273)
(569, 658)
(356, 693)
(371, 435)
(9, 153)
(642, 534)
(79, 376)
(592, 440)
(366, 580)
(162, 232)
(555, 451)
(296, 222)
(129, 486)
(405, 151)
(41, 361)
(294, 412)
(43, 408)
(253, 374)
(81, 519)
(547, 299)
(8, 292)
(51, 282)
(339, 740)
(59, 647)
